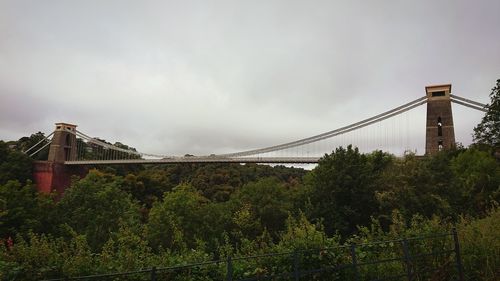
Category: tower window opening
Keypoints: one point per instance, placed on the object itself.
(440, 145)
(68, 147)
(440, 127)
(438, 94)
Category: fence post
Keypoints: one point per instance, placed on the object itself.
(457, 255)
(296, 275)
(407, 260)
(354, 262)
(153, 273)
(229, 273)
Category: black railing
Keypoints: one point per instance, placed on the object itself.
(433, 257)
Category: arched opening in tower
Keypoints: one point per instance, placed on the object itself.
(67, 147)
(440, 127)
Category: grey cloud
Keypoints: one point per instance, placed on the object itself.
(177, 77)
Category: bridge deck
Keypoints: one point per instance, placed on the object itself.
(178, 160)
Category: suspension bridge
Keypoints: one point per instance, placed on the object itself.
(71, 151)
(70, 146)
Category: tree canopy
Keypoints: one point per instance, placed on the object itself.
(488, 131)
(343, 188)
(14, 165)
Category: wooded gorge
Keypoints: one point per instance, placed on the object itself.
(114, 220)
(121, 218)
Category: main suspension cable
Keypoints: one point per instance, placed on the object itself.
(42, 140)
(354, 126)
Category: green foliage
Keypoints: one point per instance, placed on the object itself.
(476, 182)
(25, 143)
(22, 209)
(35, 258)
(14, 165)
(77, 256)
(216, 181)
(415, 186)
(268, 201)
(43, 256)
(151, 183)
(95, 205)
(246, 223)
(344, 185)
(126, 250)
(409, 237)
(178, 221)
(480, 246)
(488, 131)
(300, 234)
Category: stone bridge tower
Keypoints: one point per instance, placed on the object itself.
(63, 145)
(53, 175)
(440, 133)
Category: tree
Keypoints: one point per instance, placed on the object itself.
(343, 188)
(300, 234)
(476, 182)
(488, 131)
(269, 200)
(179, 220)
(14, 165)
(95, 206)
(25, 143)
(40, 256)
(416, 186)
(126, 250)
(19, 209)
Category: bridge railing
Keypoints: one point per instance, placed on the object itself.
(434, 257)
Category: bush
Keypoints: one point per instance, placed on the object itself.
(480, 247)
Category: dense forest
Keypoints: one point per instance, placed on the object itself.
(125, 218)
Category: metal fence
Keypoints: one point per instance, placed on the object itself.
(433, 257)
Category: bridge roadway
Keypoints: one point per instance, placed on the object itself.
(198, 159)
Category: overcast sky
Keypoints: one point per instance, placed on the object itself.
(200, 77)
